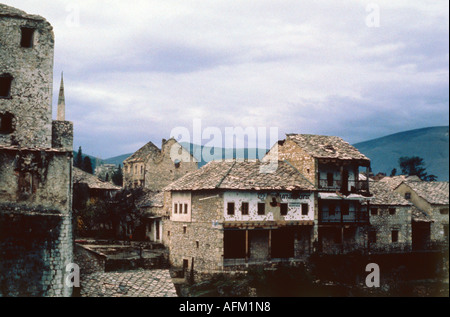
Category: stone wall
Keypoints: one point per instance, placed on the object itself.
(62, 135)
(201, 240)
(383, 223)
(31, 69)
(172, 163)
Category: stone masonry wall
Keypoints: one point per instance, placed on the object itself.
(161, 170)
(30, 96)
(201, 240)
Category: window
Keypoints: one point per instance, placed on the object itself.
(283, 209)
(345, 209)
(444, 211)
(197, 244)
(177, 163)
(5, 85)
(142, 170)
(6, 123)
(372, 236)
(394, 235)
(184, 229)
(27, 183)
(185, 208)
(374, 211)
(230, 209)
(392, 211)
(244, 208)
(168, 233)
(331, 210)
(261, 208)
(175, 208)
(27, 37)
(330, 179)
(407, 195)
(305, 209)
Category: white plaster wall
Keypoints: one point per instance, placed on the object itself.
(271, 213)
(181, 198)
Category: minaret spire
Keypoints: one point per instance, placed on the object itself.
(61, 114)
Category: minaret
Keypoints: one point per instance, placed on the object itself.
(61, 114)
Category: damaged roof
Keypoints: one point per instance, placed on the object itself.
(93, 182)
(436, 193)
(142, 153)
(393, 181)
(384, 195)
(16, 13)
(322, 146)
(238, 175)
(151, 199)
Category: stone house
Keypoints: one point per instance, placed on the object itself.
(333, 167)
(154, 214)
(35, 162)
(391, 219)
(433, 199)
(153, 168)
(228, 214)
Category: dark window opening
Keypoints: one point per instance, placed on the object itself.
(330, 179)
(372, 236)
(261, 208)
(374, 211)
(175, 208)
(305, 209)
(177, 163)
(274, 202)
(345, 209)
(392, 211)
(230, 209)
(444, 211)
(184, 230)
(283, 209)
(244, 208)
(394, 235)
(27, 183)
(6, 123)
(27, 37)
(407, 195)
(5, 86)
(185, 208)
(331, 210)
(197, 244)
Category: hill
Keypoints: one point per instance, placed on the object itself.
(431, 144)
(117, 159)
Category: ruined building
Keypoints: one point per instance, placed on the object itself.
(152, 168)
(35, 162)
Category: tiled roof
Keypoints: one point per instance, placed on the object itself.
(393, 181)
(436, 193)
(384, 195)
(93, 182)
(142, 153)
(321, 146)
(231, 174)
(151, 199)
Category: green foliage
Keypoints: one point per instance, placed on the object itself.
(117, 177)
(415, 166)
(78, 159)
(87, 165)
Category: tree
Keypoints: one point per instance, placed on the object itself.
(87, 165)
(107, 177)
(117, 177)
(78, 159)
(414, 166)
(393, 172)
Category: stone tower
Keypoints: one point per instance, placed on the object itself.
(35, 163)
(61, 114)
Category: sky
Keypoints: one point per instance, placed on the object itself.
(135, 70)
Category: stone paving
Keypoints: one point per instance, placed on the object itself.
(140, 283)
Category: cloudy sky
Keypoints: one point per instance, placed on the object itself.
(134, 70)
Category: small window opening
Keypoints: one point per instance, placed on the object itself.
(27, 37)
(261, 208)
(392, 211)
(185, 208)
(407, 195)
(245, 208)
(274, 202)
(283, 209)
(394, 235)
(5, 85)
(177, 164)
(374, 211)
(372, 236)
(230, 209)
(197, 244)
(184, 229)
(305, 209)
(6, 123)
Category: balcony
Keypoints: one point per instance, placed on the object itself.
(357, 217)
(353, 186)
